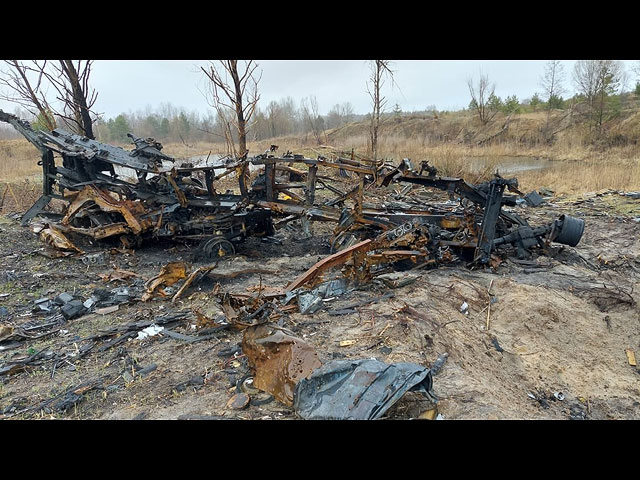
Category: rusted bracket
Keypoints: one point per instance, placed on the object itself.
(331, 261)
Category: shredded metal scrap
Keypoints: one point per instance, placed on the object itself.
(358, 389)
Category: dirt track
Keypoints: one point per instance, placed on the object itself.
(557, 325)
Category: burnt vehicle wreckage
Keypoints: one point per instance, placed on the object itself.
(141, 194)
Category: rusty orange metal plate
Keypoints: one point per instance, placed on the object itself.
(279, 359)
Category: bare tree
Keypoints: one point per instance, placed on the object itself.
(24, 93)
(553, 89)
(586, 78)
(339, 115)
(552, 82)
(72, 84)
(636, 70)
(311, 117)
(481, 97)
(597, 80)
(240, 95)
(380, 70)
(347, 112)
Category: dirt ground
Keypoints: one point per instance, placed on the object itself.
(543, 339)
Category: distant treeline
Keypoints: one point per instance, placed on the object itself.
(169, 123)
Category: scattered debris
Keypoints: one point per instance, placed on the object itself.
(117, 275)
(497, 346)
(631, 357)
(171, 273)
(107, 310)
(429, 414)
(398, 279)
(439, 363)
(350, 308)
(464, 308)
(150, 331)
(195, 276)
(239, 401)
(533, 199)
(53, 237)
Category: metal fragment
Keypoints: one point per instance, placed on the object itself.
(358, 389)
(280, 360)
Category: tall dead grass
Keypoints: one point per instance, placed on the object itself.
(585, 176)
(575, 167)
(18, 160)
(18, 196)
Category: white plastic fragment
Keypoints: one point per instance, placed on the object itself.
(150, 331)
(464, 308)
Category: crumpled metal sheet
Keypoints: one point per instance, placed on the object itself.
(54, 237)
(358, 389)
(311, 301)
(171, 273)
(279, 359)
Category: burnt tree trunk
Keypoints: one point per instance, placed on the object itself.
(80, 108)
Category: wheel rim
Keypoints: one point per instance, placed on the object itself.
(218, 247)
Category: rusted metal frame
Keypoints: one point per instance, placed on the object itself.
(208, 178)
(99, 232)
(270, 181)
(310, 193)
(359, 199)
(182, 199)
(108, 204)
(309, 161)
(281, 186)
(389, 256)
(242, 178)
(329, 187)
(330, 261)
(491, 213)
(443, 221)
(316, 213)
(347, 161)
(362, 170)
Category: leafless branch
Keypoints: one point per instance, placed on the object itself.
(481, 96)
(380, 69)
(24, 94)
(240, 95)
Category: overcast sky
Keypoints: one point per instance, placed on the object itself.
(126, 86)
